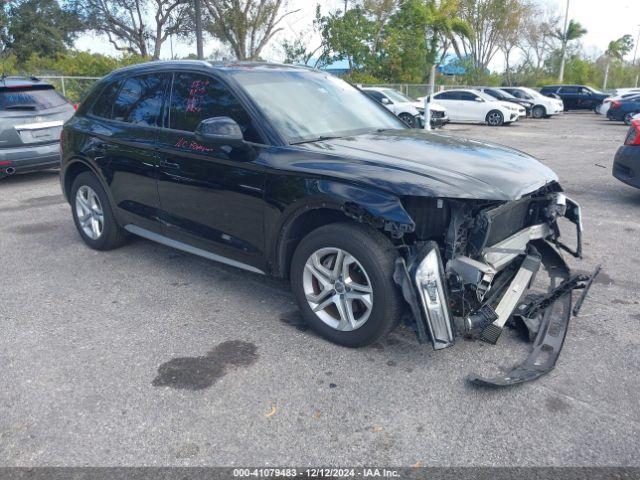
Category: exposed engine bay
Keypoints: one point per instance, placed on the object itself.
(471, 267)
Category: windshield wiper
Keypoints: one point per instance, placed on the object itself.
(316, 139)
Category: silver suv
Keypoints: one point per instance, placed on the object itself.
(31, 118)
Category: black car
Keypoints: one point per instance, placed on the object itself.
(576, 97)
(507, 97)
(626, 164)
(624, 110)
(291, 172)
(31, 116)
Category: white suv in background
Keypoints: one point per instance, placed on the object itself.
(543, 106)
(472, 106)
(408, 110)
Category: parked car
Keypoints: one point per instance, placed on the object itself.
(291, 172)
(439, 116)
(626, 163)
(624, 110)
(408, 110)
(543, 107)
(472, 106)
(576, 97)
(31, 116)
(507, 97)
(606, 104)
(617, 92)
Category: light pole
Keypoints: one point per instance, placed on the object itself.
(635, 54)
(564, 44)
(198, 14)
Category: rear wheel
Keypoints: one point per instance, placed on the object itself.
(93, 215)
(342, 279)
(494, 118)
(409, 119)
(539, 111)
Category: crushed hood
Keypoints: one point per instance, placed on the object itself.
(415, 162)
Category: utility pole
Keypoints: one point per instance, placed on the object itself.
(635, 54)
(564, 44)
(198, 12)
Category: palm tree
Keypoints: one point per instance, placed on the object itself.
(616, 50)
(444, 25)
(573, 32)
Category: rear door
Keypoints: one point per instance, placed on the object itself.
(450, 101)
(211, 195)
(124, 129)
(31, 115)
(570, 96)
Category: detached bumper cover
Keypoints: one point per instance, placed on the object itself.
(424, 284)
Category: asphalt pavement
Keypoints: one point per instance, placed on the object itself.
(149, 356)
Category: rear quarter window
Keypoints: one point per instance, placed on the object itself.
(103, 106)
(30, 98)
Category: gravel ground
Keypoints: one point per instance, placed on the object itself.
(88, 341)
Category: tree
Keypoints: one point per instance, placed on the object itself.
(39, 27)
(573, 32)
(490, 21)
(616, 50)
(138, 27)
(443, 25)
(246, 25)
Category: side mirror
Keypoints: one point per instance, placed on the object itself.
(220, 131)
(385, 101)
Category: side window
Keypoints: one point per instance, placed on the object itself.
(103, 106)
(446, 96)
(377, 96)
(468, 96)
(569, 90)
(195, 97)
(139, 101)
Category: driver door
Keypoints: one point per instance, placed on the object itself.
(211, 196)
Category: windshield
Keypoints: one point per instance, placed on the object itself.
(486, 96)
(306, 105)
(396, 96)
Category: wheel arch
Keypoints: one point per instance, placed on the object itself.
(378, 210)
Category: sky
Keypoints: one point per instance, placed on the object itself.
(604, 21)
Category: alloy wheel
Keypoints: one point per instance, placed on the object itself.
(337, 289)
(89, 212)
(494, 119)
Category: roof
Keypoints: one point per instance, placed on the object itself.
(223, 66)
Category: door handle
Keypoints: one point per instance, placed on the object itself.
(164, 163)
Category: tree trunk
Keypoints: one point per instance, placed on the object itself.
(606, 75)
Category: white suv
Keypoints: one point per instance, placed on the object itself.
(472, 106)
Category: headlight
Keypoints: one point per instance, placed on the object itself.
(430, 283)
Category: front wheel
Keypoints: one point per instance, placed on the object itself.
(539, 112)
(494, 118)
(628, 118)
(409, 119)
(342, 279)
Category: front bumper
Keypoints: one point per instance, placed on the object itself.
(425, 284)
(626, 165)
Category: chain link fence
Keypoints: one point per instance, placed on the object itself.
(73, 88)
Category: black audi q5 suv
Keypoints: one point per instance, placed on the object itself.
(291, 172)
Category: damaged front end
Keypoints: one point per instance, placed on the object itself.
(470, 269)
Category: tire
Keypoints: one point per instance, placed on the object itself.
(111, 235)
(539, 112)
(374, 256)
(409, 119)
(628, 117)
(494, 118)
